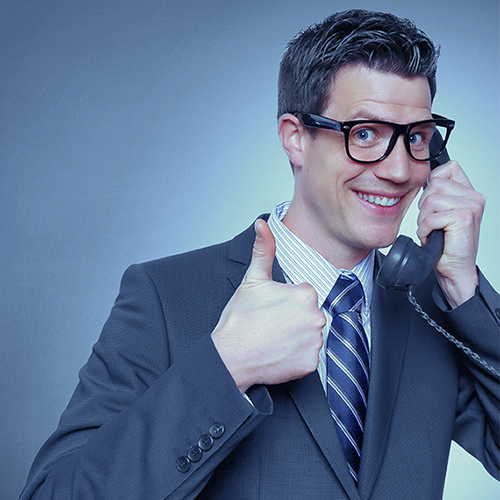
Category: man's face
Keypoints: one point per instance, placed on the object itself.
(337, 206)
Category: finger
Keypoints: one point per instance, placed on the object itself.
(449, 182)
(453, 217)
(451, 200)
(453, 171)
(261, 265)
(436, 202)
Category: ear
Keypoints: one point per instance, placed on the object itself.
(291, 133)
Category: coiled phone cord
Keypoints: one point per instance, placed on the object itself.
(449, 336)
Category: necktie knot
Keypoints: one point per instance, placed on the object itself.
(346, 295)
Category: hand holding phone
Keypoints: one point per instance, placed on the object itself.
(407, 263)
(449, 202)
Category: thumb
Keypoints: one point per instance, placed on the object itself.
(264, 248)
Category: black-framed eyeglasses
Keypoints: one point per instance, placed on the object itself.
(371, 141)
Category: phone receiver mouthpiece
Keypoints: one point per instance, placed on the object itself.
(409, 264)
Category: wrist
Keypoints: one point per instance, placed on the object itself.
(230, 358)
(458, 291)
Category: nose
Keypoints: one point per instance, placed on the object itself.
(397, 166)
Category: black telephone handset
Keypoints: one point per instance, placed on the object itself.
(407, 263)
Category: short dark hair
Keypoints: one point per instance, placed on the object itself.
(377, 40)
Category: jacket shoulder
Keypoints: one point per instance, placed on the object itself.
(209, 261)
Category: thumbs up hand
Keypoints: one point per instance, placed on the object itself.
(269, 332)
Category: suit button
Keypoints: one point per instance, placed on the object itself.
(205, 442)
(216, 430)
(182, 464)
(194, 453)
(497, 312)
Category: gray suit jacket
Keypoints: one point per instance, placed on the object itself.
(155, 384)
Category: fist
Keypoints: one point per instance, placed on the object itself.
(269, 332)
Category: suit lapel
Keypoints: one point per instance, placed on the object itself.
(389, 320)
(309, 398)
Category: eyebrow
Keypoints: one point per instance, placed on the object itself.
(364, 113)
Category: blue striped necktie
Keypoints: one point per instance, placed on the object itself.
(347, 363)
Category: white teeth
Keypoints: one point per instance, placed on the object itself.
(385, 202)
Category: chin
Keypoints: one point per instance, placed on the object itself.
(381, 241)
(387, 242)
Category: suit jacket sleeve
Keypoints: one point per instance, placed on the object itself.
(477, 324)
(134, 411)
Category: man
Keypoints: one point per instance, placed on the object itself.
(217, 373)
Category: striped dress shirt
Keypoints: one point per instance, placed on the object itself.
(301, 264)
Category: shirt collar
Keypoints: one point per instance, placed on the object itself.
(301, 264)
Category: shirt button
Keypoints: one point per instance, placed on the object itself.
(182, 464)
(205, 442)
(216, 430)
(194, 453)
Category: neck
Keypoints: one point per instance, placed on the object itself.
(341, 255)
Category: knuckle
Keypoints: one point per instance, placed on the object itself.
(464, 215)
(320, 318)
(466, 219)
(429, 200)
(481, 201)
(433, 183)
(476, 204)
(319, 343)
(257, 252)
(307, 292)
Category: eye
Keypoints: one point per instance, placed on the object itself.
(364, 135)
(370, 135)
(416, 139)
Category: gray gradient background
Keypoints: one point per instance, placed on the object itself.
(130, 130)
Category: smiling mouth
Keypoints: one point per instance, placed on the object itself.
(379, 200)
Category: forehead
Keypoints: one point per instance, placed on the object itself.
(358, 92)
